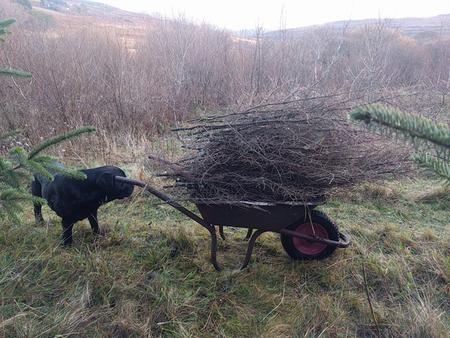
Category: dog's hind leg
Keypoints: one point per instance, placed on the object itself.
(94, 222)
(67, 232)
(36, 190)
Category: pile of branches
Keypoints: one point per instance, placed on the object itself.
(295, 151)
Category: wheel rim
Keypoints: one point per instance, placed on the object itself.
(308, 247)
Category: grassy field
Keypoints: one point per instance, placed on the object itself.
(150, 276)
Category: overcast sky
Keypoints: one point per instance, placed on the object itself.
(246, 14)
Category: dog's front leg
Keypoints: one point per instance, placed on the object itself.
(36, 191)
(67, 232)
(38, 214)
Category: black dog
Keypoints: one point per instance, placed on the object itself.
(74, 200)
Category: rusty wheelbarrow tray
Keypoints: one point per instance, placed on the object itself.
(305, 233)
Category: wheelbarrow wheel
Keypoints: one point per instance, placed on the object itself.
(302, 249)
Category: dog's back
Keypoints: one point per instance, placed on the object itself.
(74, 198)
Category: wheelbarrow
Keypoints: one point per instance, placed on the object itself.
(306, 234)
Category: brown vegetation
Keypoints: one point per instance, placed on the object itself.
(172, 69)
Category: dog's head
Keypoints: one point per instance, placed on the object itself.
(114, 189)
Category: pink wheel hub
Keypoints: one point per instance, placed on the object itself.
(308, 247)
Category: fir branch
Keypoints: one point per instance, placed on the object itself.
(14, 72)
(37, 168)
(4, 25)
(18, 155)
(411, 125)
(9, 176)
(55, 140)
(440, 167)
(420, 130)
(11, 199)
(55, 168)
(18, 166)
(6, 22)
(13, 194)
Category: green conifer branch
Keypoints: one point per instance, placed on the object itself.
(410, 125)
(4, 24)
(440, 167)
(14, 72)
(18, 166)
(420, 130)
(55, 140)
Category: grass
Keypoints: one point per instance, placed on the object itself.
(150, 276)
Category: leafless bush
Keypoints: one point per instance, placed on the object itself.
(119, 80)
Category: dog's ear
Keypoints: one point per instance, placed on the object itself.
(106, 182)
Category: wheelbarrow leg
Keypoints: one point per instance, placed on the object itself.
(221, 233)
(212, 231)
(251, 244)
(249, 234)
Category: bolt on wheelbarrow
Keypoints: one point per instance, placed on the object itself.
(305, 233)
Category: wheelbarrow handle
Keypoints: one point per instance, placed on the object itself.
(165, 198)
(180, 208)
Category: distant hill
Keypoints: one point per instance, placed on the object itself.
(415, 27)
(88, 8)
(71, 15)
(75, 13)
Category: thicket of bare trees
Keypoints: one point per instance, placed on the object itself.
(93, 76)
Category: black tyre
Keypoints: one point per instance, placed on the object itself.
(302, 249)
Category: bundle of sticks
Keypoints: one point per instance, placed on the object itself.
(294, 151)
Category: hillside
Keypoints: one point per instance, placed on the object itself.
(79, 8)
(415, 27)
(73, 13)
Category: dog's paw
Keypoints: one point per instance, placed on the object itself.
(65, 243)
(100, 233)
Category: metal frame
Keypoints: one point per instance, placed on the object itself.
(340, 244)
(251, 236)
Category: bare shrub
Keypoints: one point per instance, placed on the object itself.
(142, 81)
